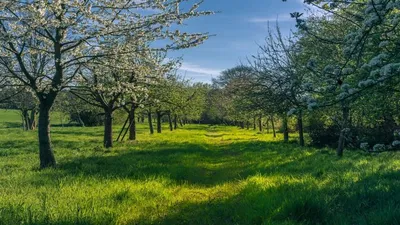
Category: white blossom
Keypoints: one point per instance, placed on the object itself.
(292, 112)
(379, 147)
(383, 44)
(312, 105)
(364, 146)
(347, 71)
(378, 60)
(396, 143)
(366, 83)
(308, 86)
(345, 87)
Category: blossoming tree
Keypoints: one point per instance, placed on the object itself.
(44, 43)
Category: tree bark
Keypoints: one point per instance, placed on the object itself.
(32, 119)
(132, 122)
(108, 142)
(25, 119)
(46, 153)
(171, 128)
(180, 122)
(248, 125)
(342, 137)
(285, 128)
(273, 126)
(159, 129)
(150, 122)
(301, 129)
(254, 123)
(260, 123)
(80, 119)
(175, 121)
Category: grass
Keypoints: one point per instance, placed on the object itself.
(12, 118)
(194, 175)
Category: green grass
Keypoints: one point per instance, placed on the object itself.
(12, 118)
(195, 175)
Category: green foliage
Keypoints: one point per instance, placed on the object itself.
(197, 175)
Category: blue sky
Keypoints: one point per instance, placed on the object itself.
(238, 28)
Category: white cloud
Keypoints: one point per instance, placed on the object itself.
(193, 68)
(279, 18)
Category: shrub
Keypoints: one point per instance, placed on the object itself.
(321, 134)
(381, 133)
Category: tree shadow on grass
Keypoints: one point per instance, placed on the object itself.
(372, 200)
(186, 163)
(196, 128)
(11, 125)
(77, 132)
(11, 148)
(254, 204)
(368, 201)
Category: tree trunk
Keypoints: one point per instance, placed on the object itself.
(180, 122)
(285, 128)
(342, 137)
(108, 142)
(301, 130)
(273, 126)
(46, 154)
(132, 122)
(80, 119)
(159, 129)
(171, 128)
(150, 122)
(267, 126)
(242, 125)
(32, 120)
(175, 121)
(255, 123)
(260, 123)
(248, 125)
(25, 119)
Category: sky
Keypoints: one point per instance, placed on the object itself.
(237, 30)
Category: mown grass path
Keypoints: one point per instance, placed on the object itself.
(194, 175)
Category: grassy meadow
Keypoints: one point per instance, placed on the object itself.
(195, 175)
